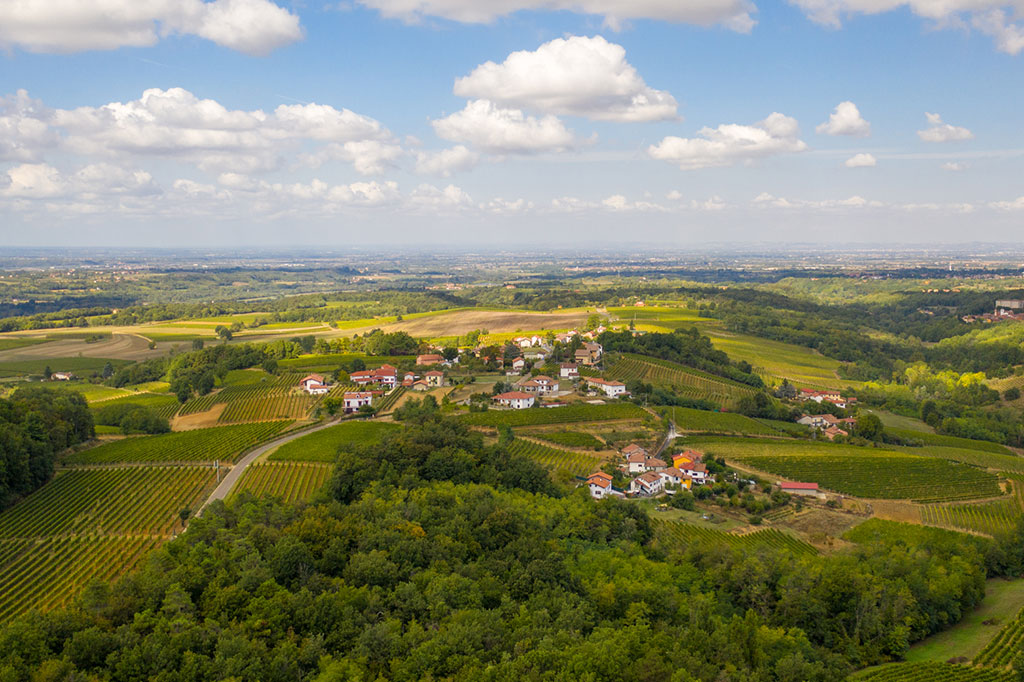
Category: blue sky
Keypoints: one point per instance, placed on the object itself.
(171, 122)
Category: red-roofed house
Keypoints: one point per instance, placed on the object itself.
(354, 400)
(611, 388)
(633, 449)
(517, 400)
(540, 384)
(647, 485)
(673, 476)
(434, 378)
(687, 457)
(568, 370)
(385, 375)
(796, 488)
(313, 384)
(697, 471)
(429, 359)
(600, 485)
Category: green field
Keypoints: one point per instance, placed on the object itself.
(861, 471)
(575, 463)
(899, 422)
(224, 443)
(163, 404)
(685, 381)
(952, 441)
(979, 458)
(77, 365)
(702, 421)
(289, 481)
(572, 439)
(910, 534)
(49, 573)
(121, 500)
(14, 342)
(675, 535)
(991, 518)
(577, 412)
(323, 445)
(935, 672)
(93, 393)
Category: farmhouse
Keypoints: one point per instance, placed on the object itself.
(354, 400)
(674, 476)
(434, 378)
(633, 449)
(517, 400)
(639, 462)
(833, 431)
(516, 366)
(408, 379)
(582, 357)
(313, 384)
(612, 389)
(540, 384)
(62, 376)
(647, 485)
(698, 471)
(420, 385)
(568, 370)
(687, 457)
(429, 359)
(806, 489)
(385, 375)
(600, 485)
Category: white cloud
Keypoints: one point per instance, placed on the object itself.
(504, 131)
(255, 27)
(954, 166)
(43, 181)
(674, 195)
(575, 76)
(446, 161)
(618, 202)
(987, 16)
(845, 120)
(174, 123)
(855, 202)
(731, 143)
(861, 161)
(450, 197)
(937, 131)
(1014, 205)
(34, 181)
(733, 14)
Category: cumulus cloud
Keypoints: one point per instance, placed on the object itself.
(618, 202)
(43, 181)
(731, 143)
(176, 124)
(496, 130)
(24, 128)
(861, 161)
(855, 202)
(937, 131)
(575, 76)
(255, 27)
(987, 16)
(733, 14)
(1013, 205)
(450, 197)
(845, 120)
(446, 161)
(954, 166)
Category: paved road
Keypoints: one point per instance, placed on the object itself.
(228, 482)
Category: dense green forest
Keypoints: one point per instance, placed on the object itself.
(437, 557)
(37, 424)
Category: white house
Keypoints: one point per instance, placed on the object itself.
(62, 376)
(517, 366)
(540, 384)
(612, 389)
(517, 400)
(600, 485)
(313, 384)
(647, 485)
(353, 401)
(697, 471)
(673, 476)
(568, 370)
(807, 489)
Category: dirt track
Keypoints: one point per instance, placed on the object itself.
(117, 347)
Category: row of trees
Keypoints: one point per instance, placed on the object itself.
(36, 425)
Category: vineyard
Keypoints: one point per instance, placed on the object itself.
(936, 672)
(1005, 645)
(388, 401)
(686, 381)
(985, 460)
(884, 476)
(571, 439)
(323, 445)
(47, 574)
(951, 441)
(288, 481)
(576, 463)
(990, 518)
(675, 535)
(222, 443)
(910, 534)
(164, 405)
(578, 412)
(688, 419)
(125, 500)
(256, 396)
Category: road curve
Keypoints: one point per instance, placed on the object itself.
(228, 482)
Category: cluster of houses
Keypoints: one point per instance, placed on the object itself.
(1006, 310)
(830, 396)
(829, 425)
(651, 476)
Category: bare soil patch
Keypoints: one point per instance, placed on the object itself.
(198, 420)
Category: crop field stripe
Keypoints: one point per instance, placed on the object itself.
(288, 480)
(1005, 645)
(689, 382)
(576, 463)
(936, 672)
(991, 518)
(578, 412)
(200, 445)
(674, 534)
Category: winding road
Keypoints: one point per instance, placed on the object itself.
(228, 482)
